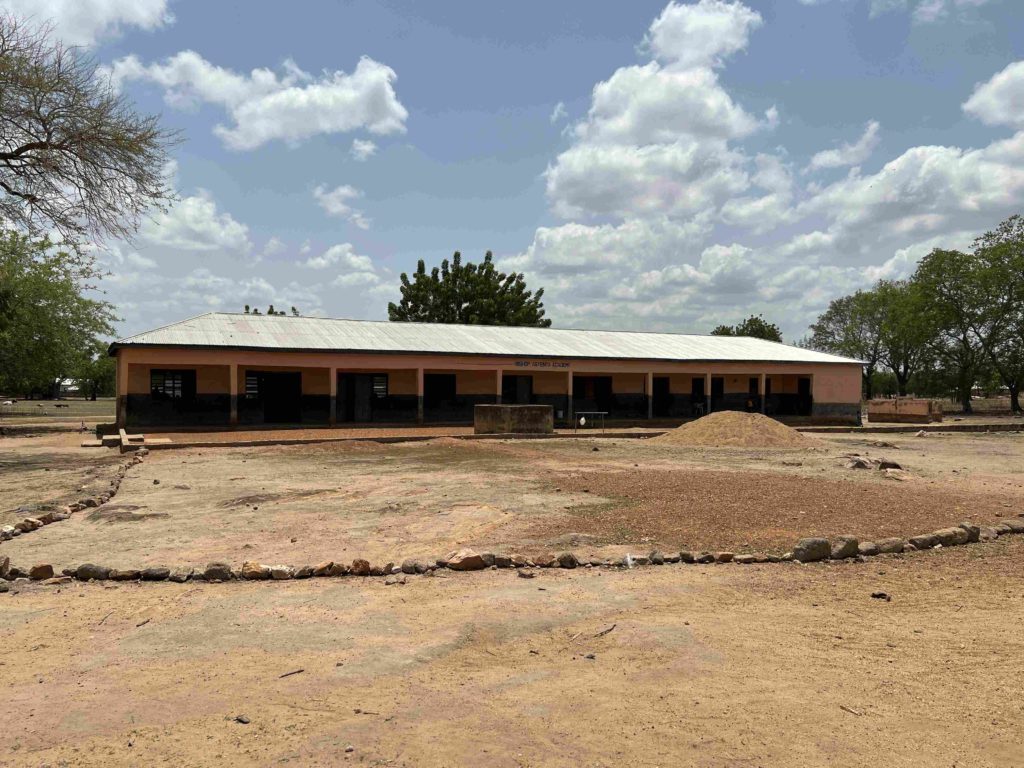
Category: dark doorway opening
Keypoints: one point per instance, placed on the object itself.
(592, 393)
(717, 392)
(517, 390)
(438, 390)
(281, 394)
(355, 397)
(661, 397)
(804, 400)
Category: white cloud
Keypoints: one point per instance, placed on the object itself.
(335, 202)
(667, 211)
(194, 223)
(1000, 100)
(558, 113)
(922, 11)
(848, 154)
(342, 254)
(362, 150)
(86, 22)
(703, 34)
(264, 106)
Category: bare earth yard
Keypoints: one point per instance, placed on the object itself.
(718, 665)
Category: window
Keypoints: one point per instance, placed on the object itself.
(380, 386)
(172, 385)
(252, 385)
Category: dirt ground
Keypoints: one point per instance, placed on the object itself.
(302, 504)
(721, 665)
(775, 665)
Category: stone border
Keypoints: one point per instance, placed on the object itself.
(34, 523)
(807, 550)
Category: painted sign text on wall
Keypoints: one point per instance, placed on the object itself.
(540, 364)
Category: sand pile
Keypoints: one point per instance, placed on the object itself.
(739, 430)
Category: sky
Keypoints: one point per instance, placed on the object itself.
(651, 166)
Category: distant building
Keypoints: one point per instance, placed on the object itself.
(225, 369)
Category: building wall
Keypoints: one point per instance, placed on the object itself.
(835, 387)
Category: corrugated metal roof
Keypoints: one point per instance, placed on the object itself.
(224, 330)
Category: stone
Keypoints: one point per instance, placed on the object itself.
(395, 579)
(867, 549)
(360, 567)
(704, 557)
(503, 561)
(253, 571)
(745, 559)
(924, 541)
(1016, 525)
(523, 574)
(156, 573)
(89, 502)
(281, 572)
(891, 546)
(1002, 529)
(889, 464)
(4, 588)
(686, 556)
(811, 550)
(488, 558)
(519, 561)
(40, 572)
(724, 557)
(323, 569)
(57, 580)
(6, 532)
(409, 566)
(973, 531)
(987, 533)
(568, 560)
(656, 558)
(338, 569)
(125, 574)
(671, 558)
(465, 560)
(180, 575)
(844, 547)
(422, 566)
(858, 462)
(88, 571)
(218, 572)
(304, 572)
(5, 567)
(951, 537)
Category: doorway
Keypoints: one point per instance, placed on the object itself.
(661, 396)
(281, 393)
(516, 390)
(355, 396)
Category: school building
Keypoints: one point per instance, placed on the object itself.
(221, 370)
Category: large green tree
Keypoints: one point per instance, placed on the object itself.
(468, 293)
(49, 328)
(755, 326)
(903, 338)
(946, 279)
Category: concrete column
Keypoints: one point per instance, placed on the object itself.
(332, 418)
(761, 390)
(419, 395)
(233, 392)
(497, 386)
(649, 388)
(707, 392)
(122, 392)
(568, 413)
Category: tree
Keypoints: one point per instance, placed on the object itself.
(97, 375)
(48, 328)
(75, 157)
(755, 326)
(944, 279)
(903, 338)
(999, 302)
(471, 294)
(852, 326)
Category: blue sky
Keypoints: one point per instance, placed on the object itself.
(653, 166)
